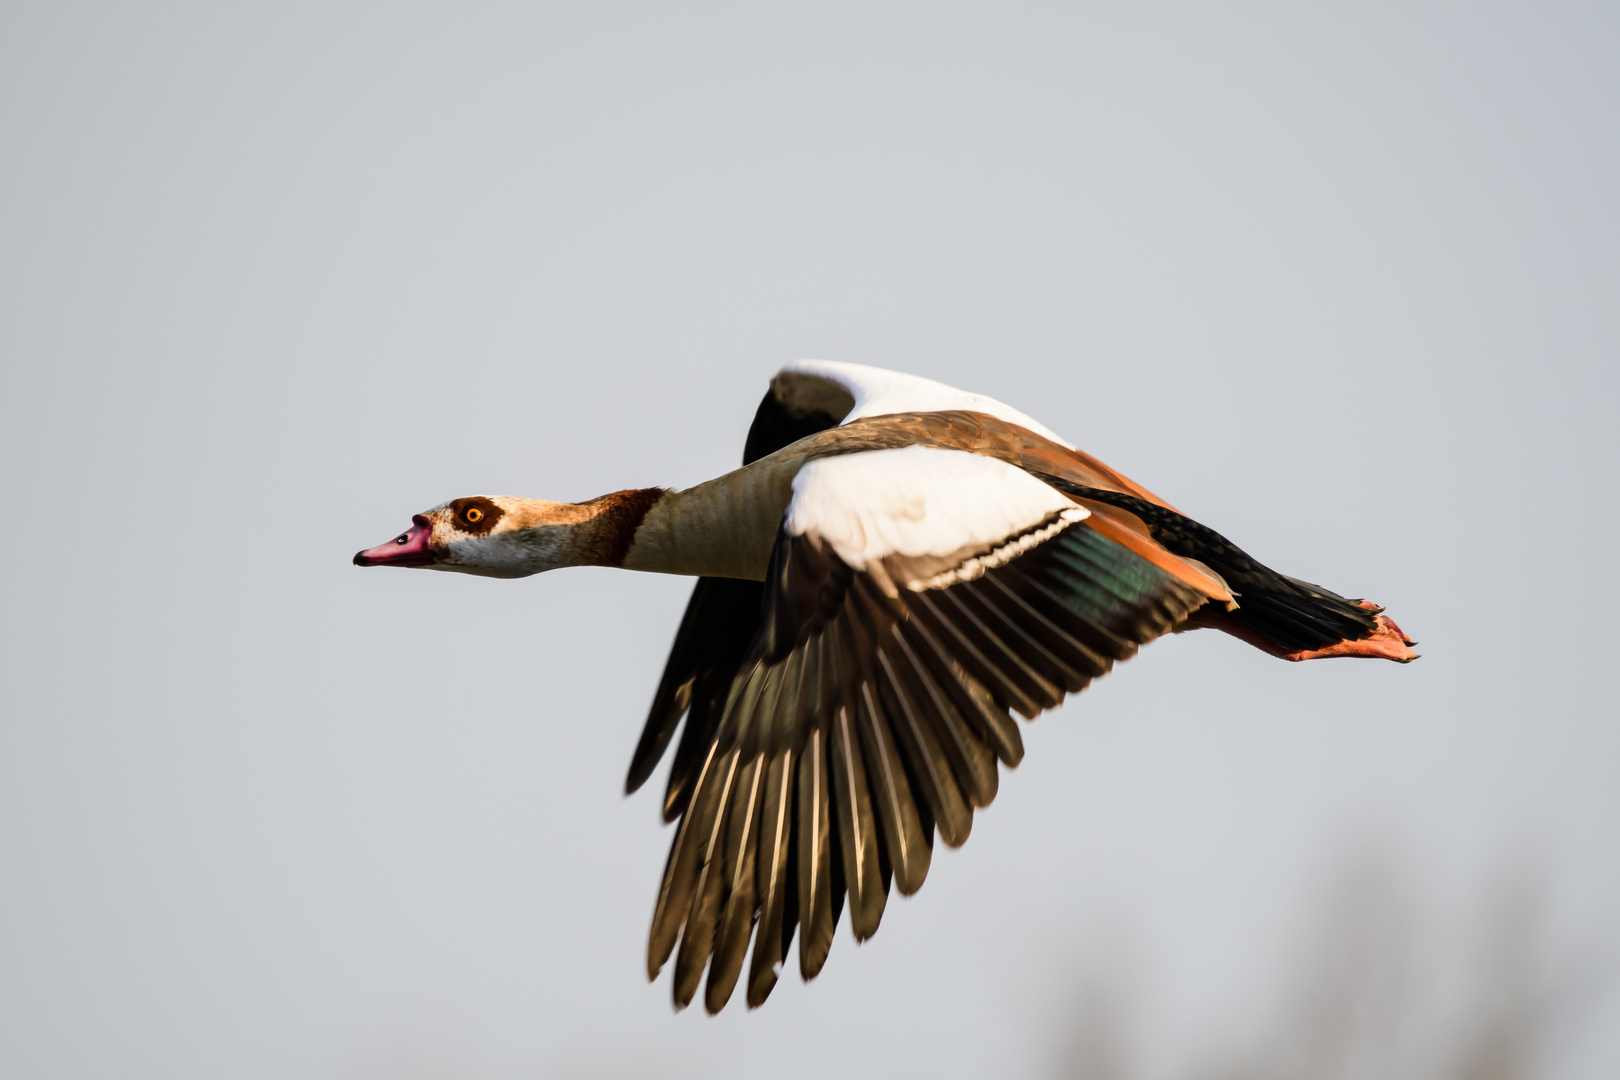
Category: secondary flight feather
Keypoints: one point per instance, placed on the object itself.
(897, 569)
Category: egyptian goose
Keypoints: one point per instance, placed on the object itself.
(897, 567)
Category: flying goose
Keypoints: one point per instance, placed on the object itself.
(897, 568)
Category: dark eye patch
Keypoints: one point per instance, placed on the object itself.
(476, 514)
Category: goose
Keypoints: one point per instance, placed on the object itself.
(896, 569)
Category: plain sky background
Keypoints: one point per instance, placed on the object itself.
(1343, 283)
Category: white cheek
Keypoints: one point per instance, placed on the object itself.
(515, 553)
(536, 549)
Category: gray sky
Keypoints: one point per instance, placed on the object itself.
(1341, 284)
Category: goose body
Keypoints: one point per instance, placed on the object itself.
(897, 567)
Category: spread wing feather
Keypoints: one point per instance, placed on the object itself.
(870, 709)
(833, 721)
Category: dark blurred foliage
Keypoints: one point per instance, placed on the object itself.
(1374, 990)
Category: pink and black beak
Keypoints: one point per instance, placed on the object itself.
(409, 548)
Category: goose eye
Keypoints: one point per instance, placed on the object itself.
(402, 537)
(474, 514)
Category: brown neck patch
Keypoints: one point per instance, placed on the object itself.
(614, 526)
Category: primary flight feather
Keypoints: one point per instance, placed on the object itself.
(897, 568)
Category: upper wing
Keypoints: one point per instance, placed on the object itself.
(868, 391)
(914, 597)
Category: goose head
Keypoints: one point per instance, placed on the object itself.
(492, 536)
(506, 537)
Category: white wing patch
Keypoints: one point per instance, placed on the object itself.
(922, 501)
(878, 392)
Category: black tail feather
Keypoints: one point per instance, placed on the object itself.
(1292, 614)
